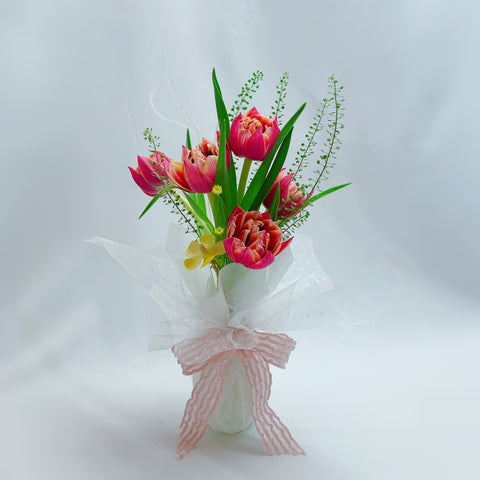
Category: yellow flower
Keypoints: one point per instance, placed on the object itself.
(219, 230)
(206, 249)
(217, 189)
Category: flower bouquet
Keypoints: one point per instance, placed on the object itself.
(222, 322)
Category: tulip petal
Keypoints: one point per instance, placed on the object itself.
(246, 256)
(229, 248)
(252, 112)
(234, 135)
(197, 181)
(145, 166)
(265, 261)
(177, 176)
(285, 244)
(142, 183)
(209, 169)
(254, 148)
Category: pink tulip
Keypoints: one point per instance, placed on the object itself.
(151, 175)
(253, 238)
(252, 135)
(291, 196)
(195, 173)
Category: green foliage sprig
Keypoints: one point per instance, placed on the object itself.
(307, 147)
(332, 106)
(246, 94)
(334, 125)
(153, 140)
(281, 89)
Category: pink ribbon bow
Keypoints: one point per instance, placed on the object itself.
(211, 354)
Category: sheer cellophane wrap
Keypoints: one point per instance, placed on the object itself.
(186, 305)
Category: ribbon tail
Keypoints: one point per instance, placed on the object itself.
(202, 403)
(275, 435)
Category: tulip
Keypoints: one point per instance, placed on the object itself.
(253, 238)
(252, 135)
(291, 196)
(195, 173)
(151, 175)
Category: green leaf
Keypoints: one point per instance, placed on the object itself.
(200, 211)
(154, 199)
(276, 201)
(261, 174)
(222, 113)
(232, 185)
(326, 192)
(222, 202)
(219, 211)
(200, 201)
(273, 172)
(188, 142)
(221, 176)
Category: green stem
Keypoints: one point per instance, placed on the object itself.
(210, 199)
(243, 179)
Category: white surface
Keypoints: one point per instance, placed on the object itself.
(397, 396)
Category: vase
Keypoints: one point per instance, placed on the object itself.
(233, 412)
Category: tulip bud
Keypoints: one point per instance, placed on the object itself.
(252, 135)
(151, 175)
(291, 196)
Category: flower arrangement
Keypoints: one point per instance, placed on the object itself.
(216, 203)
(223, 326)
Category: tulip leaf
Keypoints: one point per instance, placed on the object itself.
(222, 179)
(199, 199)
(224, 123)
(273, 172)
(326, 192)
(222, 113)
(188, 142)
(276, 201)
(219, 212)
(221, 175)
(261, 174)
(154, 199)
(200, 211)
(232, 183)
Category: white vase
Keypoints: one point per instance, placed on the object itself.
(233, 412)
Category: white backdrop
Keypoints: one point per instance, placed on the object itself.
(394, 397)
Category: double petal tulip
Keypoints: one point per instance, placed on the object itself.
(151, 175)
(253, 239)
(195, 173)
(291, 196)
(252, 135)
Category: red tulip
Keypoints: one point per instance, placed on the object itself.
(253, 238)
(195, 173)
(291, 196)
(252, 135)
(151, 175)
